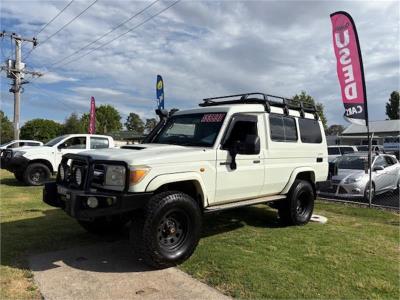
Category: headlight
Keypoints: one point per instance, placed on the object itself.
(138, 173)
(19, 153)
(78, 176)
(115, 176)
(352, 179)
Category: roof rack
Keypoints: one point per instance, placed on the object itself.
(248, 98)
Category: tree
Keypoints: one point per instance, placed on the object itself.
(303, 97)
(150, 124)
(41, 129)
(108, 119)
(73, 125)
(334, 130)
(392, 107)
(134, 123)
(6, 127)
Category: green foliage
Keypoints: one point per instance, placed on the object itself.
(108, 119)
(392, 107)
(41, 130)
(73, 124)
(6, 128)
(150, 124)
(134, 123)
(303, 97)
(334, 130)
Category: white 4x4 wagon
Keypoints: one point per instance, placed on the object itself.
(233, 151)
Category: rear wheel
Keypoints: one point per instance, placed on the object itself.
(299, 205)
(104, 225)
(36, 174)
(168, 232)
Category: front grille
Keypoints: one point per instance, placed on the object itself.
(342, 190)
(335, 181)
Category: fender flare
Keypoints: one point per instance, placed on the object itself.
(293, 176)
(163, 179)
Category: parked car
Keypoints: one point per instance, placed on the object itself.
(375, 148)
(229, 153)
(20, 143)
(352, 178)
(391, 144)
(336, 151)
(35, 165)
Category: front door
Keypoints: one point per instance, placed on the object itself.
(246, 180)
(72, 145)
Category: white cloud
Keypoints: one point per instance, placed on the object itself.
(96, 91)
(51, 77)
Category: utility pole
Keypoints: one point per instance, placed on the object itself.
(16, 71)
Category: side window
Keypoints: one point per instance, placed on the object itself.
(346, 150)
(74, 143)
(310, 131)
(380, 162)
(32, 144)
(242, 128)
(98, 143)
(13, 145)
(333, 151)
(390, 161)
(282, 128)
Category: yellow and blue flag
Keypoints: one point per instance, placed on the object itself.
(160, 92)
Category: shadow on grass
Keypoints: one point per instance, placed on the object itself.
(54, 231)
(15, 182)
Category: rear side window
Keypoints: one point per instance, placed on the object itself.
(310, 131)
(282, 128)
(333, 151)
(98, 143)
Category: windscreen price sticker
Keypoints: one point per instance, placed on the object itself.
(212, 118)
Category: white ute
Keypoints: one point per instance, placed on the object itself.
(233, 151)
(34, 165)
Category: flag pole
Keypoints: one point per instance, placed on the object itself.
(369, 165)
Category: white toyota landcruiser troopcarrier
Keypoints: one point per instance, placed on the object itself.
(243, 150)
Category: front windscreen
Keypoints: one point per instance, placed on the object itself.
(54, 141)
(191, 130)
(352, 162)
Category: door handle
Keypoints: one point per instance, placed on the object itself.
(257, 161)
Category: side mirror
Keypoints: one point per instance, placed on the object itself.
(378, 168)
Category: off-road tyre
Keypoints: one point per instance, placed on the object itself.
(104, 225)
(36, 174)
(167, 232)
(299, 204)
(19, 176)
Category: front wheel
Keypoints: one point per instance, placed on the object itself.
(168, 231)
(36, 174)
(299, 205)
(366, 192)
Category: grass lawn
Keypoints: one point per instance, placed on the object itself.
(244, 253)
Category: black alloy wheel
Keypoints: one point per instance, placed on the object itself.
(298, 207)
(36, 174)
(167, 232)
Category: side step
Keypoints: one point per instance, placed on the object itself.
(237, 204)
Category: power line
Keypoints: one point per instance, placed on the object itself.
(121, 35)
(64, 26)
(34, 85)
(106, 34)
(55, 17)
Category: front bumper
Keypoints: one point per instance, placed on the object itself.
(342, 190)
(14, 164)
(73, 202)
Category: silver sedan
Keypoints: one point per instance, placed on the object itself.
(352, 177)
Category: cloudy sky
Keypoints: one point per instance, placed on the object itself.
(202, 49)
